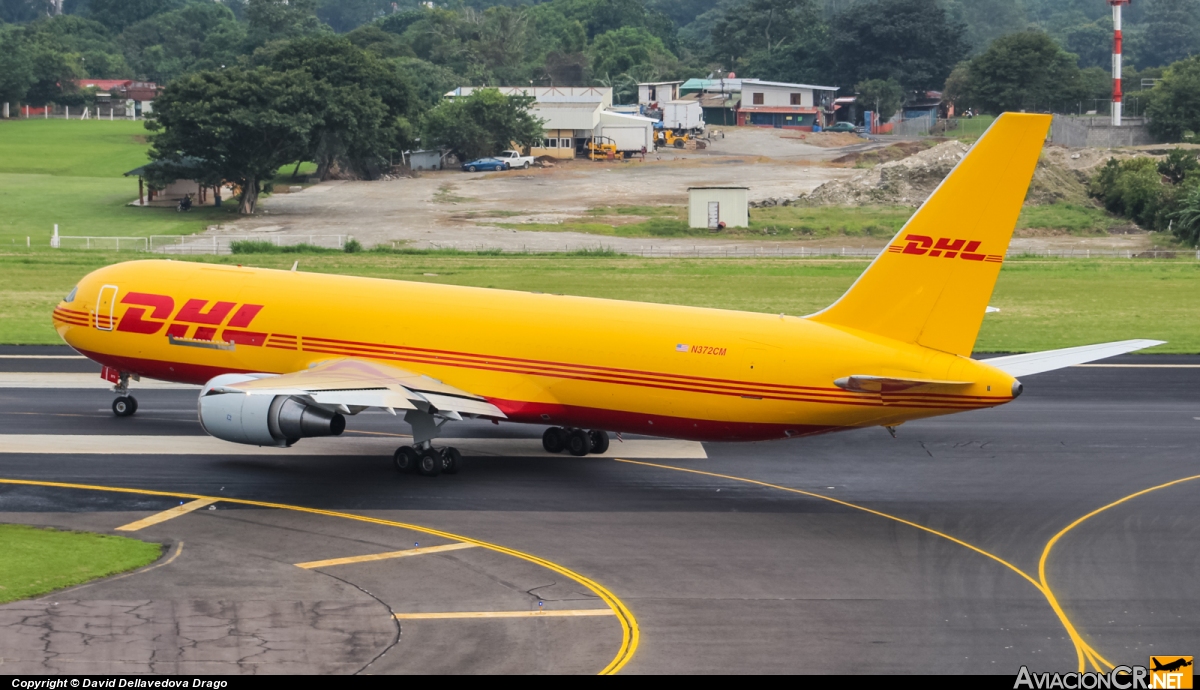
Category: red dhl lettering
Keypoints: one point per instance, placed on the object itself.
(943, 247)
(195, 315)
(707, 350)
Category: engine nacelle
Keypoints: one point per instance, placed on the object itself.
(262, 420)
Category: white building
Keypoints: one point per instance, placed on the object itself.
(780, 104)
(574, 115)
(718, 207)
(658, 92)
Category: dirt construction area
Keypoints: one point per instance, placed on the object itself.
(474, 211)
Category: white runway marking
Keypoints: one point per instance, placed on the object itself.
(348, 445)
(20, 379)
(42, 357)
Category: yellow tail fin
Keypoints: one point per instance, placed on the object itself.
(932, 284)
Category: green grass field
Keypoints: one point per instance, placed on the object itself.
(1044, 303)
(801, 222)
(36, 561)
(70, 172)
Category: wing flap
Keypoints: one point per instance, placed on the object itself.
(1049, 360)
(863, 383)
(345, 383)
(481, 408)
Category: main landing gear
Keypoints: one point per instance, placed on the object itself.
(578, 442)
(125, 404)
(427, 461)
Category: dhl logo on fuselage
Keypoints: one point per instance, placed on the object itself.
(195, 320)
(944, 247)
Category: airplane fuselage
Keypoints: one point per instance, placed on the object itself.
(683, 372)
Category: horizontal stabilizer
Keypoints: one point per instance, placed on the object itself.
(887, 384)
(1049, 360)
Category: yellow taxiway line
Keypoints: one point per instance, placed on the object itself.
(167, 515)
(630, 633)
(551, 613)
(1084, 651)
(385, 556)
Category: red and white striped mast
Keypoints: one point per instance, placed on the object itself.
(1116, 98)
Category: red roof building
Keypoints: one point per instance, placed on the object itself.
(123, 89)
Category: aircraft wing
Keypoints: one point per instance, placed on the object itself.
(351, 385)
(1049, 360)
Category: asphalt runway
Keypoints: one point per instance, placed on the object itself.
(956, 547)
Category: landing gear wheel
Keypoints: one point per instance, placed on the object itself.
(429, 463)
(451, 461)
(405, 459)
(578, 442)
(599, 439)
(124, 406)
(554, 440)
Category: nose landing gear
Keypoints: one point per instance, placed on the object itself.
(577, 442)
(125, 404)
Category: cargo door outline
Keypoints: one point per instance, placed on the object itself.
(106, 301)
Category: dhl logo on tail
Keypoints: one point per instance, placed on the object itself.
(945, 247)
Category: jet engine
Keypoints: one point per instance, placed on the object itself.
(262, 420)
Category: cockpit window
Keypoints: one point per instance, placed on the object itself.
(71, 295)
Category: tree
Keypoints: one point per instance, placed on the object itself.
(911, 41)
(1024, 71)
(482, 124)
(1176, 166)
(115, 15)
(1174, 102)
(430, 82)
(345, 15)
(1186, 221)
(274, 20)
(987, 20)
(883, 96)
(16, 70)
(774, 39)
(367, 115)
(86, 44)
(1172, 32)
(197, 36)
(618, 51)
(1092, 43)
(240, 124)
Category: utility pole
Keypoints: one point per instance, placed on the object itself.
(1116, 98)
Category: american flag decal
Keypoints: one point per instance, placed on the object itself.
(682, 348)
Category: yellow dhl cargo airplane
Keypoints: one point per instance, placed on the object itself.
(283, 355)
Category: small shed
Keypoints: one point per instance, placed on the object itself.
(164, 182)
(718, 207)
(425, 160)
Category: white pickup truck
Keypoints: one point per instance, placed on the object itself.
(514, 159)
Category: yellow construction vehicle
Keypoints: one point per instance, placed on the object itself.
(603, 148)
(668, 137)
